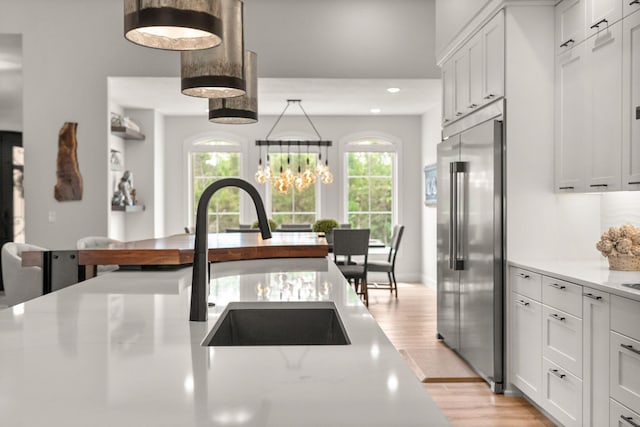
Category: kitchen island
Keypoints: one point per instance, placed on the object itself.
(119, 350)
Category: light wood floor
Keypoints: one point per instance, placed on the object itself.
(410, 323)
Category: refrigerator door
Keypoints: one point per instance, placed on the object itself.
(481, 249)
(448, 279)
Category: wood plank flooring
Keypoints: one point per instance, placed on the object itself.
(410, 324)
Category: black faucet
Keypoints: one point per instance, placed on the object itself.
(200, 277)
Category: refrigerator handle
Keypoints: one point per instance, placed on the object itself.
(456, 260)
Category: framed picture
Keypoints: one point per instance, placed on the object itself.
(430, 185)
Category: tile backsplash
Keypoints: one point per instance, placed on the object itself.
(620, 208)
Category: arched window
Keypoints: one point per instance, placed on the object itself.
(371, 198)
(210, 160)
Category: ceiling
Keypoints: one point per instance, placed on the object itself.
(319, 96)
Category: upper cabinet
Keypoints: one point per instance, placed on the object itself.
(569, 24)
(602, 13)
(474, 75)
(631, 102)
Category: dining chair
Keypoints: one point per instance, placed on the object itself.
(388, 266)
(349, 242)
(95, 242)
(20, 283)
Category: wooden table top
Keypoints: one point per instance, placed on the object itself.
(178, 249)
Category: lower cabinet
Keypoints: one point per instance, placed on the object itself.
(561, 394)
(595, 358)
(620, 416)
(526, 345)
(625, 370)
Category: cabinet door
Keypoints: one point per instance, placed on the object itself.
(493, 35)
(448, 86)
(604, 104)
(475, 52)
(595, 351)
(562, 394)
(569, 16)
(631, 102)
(461, 83)
(630, 6)
(621, 416)
(601, 13)
(526, 345)
(570, 135)
(625, 370)
(562, 339)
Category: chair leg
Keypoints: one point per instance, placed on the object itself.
(395, 283)
(390, 282)
(365, 291)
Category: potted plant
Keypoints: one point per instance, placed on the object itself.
(325, 226)
(272, 224)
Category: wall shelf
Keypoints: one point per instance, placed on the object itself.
(128, 209)
(127, 133)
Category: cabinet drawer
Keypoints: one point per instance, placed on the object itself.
(526, 283)
(625, 316)
(565, 296)
(621, 416)
(562, 339)
(562, 394)
(625, 370)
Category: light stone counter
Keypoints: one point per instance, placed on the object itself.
(591, 273)
(119, 350)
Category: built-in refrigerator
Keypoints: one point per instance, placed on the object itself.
(470, 230)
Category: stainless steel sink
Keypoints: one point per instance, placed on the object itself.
(632, 285)
(278, 323)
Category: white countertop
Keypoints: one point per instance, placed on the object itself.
(119, 350)
(592, 273)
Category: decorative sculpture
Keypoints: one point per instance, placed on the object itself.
(123, 195)
(69, 184)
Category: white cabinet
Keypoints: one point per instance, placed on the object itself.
(493, 61)
(602, 13)
(526, 345)
(527, 283)
(569, 24)
(562, 339)
(604, 115)
(631, 101)
(475, 53)
(625, 370)
(448, 94)
(461, 83)
(622, 417)
(595, 358)
(629, 7)
(570, 134)
(561, 394)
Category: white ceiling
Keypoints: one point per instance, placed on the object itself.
(319, 96)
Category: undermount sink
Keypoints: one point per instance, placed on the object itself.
(632, 285)
(278, 323)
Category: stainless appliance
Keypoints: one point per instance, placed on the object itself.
(470, 232)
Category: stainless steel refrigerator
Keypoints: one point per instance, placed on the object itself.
(470, 194)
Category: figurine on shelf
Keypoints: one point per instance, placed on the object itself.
(122, 196)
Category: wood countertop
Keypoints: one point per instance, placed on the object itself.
(178, 249)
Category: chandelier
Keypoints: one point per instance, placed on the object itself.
(285, 178)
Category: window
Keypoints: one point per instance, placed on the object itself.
(210, 161)
(370, 166)
(294, 207)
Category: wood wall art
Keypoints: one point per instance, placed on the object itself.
(69, 184)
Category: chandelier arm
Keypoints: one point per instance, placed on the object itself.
(310, 122)
(278, 121)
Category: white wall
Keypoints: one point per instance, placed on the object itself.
(404, 129)
(451, 18)
(431, 136)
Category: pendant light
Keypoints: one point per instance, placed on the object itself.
(218, 72)
(241, 109)
(173, 24)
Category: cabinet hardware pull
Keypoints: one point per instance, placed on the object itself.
(524, 276)
(630, 419)
(557, 373)
(523, 302)
(472, 106)
(570, 41)
(634, 182)
(598, 185)
(630, 348)
(555, 316)
(565, 188)
(592, 296)
(557, 286)
(597, 24)
(492, 95)
(458, 113)
(446, 120)
(634, 2)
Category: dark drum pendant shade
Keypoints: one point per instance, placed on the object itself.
(173, 24)
(241, 109)
(218, 72)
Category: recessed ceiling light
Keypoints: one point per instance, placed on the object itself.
(393, 89)
(375, 110)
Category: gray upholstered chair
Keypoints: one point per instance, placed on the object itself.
(20, 283)
(348, 243)
(388, 266)
(94, 242)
